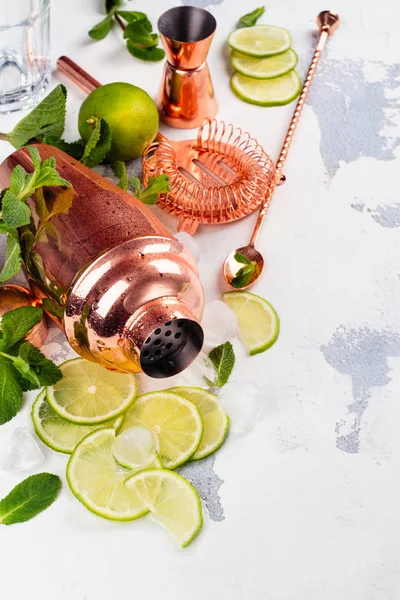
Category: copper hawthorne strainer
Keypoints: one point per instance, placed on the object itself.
(221, 176)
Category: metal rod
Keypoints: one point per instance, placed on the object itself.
(328, 22)
(76, 74)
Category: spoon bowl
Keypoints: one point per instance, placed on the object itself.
(232, 267)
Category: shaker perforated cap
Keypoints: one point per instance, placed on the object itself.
(171, 348)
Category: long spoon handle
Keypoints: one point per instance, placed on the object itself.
(327, 22)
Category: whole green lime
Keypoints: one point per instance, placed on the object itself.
(130, 113)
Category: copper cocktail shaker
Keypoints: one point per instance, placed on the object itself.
(186, 95)
(125, 291)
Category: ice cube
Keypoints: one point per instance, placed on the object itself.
(188, 240)
(219, 323)
(135, 448)
(22, 452)
(241, 400)
(196, 373)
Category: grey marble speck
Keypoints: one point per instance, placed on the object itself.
(363, 354)
(353, 113)
(202, 476)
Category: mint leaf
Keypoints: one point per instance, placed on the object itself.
(16, 323)
(102, 29)
(10, 392)
(28, 498)
(148, 54)
(243, 276)
(31, 380)
(134, 15)
(17, 180)
(98, 145)
(15, 212)
(46, 120)
(156, 185)
(240, 258)
(250, 19)
(119, 170)
(223, 359)
(48, 176)
(40, 367)
(35, 157)
(139, 34)
(12, 263)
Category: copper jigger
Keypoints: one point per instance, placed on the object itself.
(186, 95)
(125, 291)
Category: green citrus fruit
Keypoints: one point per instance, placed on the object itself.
(130, 113)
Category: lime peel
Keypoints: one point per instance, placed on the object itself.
(258, 321)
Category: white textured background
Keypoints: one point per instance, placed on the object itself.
(305, 507)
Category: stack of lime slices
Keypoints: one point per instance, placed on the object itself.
(93, 413)
(264, 65)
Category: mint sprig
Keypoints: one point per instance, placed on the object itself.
(223, 360)
(156, 185)
(250, 19)
(137, 31)
(28, 498)
(15, 210)
(244, 275)
(22, 366)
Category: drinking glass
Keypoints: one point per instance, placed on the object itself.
(24, 52)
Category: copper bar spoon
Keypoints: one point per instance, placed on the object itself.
(327, 22)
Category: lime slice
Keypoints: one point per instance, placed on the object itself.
(171, 500)
(215, 421)
(267, 92)
(56, 432)
(88, 393)
(260, 41)
(264, 68)
(175, 421)
(135, 448)
(94, 478)
(258, 321)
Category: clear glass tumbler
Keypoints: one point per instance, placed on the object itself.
(24, 52)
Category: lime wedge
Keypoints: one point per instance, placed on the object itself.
(258, 321)
(56, 432)
(264, 68)
(215, 421)
(267, 92)
(175, 421)
(89, 394)
(260, 41)
(171, 500)
(94, 478)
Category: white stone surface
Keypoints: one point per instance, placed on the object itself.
(306, 506)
